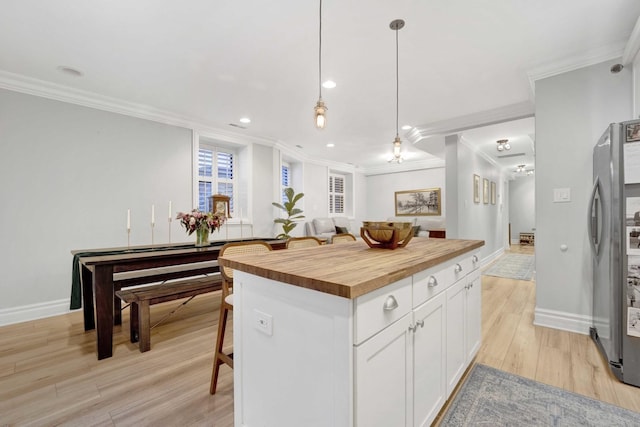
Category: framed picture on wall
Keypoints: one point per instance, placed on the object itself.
(418, 202)
(493, 193)
(485, 191)
(476, 188)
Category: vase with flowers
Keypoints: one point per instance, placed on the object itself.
(202, 223)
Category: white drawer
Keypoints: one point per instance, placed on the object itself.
(432, 281)
(380, 308)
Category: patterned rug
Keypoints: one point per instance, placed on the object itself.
(490, 397)
(513, 266)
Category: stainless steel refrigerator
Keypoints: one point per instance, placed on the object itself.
(614, 235)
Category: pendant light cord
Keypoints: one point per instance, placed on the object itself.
(397, 86)
(320, 53)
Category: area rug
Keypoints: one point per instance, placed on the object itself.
(490, 397)
(513, 266)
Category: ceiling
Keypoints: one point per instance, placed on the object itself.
(211, 62)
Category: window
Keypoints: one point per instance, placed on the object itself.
(285, 180)
(336, 193)
(215, 171)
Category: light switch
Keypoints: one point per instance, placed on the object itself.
(561, 195)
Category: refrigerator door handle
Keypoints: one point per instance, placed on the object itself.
(595, 216)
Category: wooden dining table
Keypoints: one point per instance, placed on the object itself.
(99, 273)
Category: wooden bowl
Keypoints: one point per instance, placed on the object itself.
(389, 235)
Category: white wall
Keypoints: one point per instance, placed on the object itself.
(380, 199)
(572, 111)
(522, 205)
(69, 174)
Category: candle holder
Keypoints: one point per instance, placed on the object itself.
(169, 229)
(153, 225)
(128, 238)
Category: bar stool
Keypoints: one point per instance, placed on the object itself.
(343, 238)
(226, 302)
(303, 242)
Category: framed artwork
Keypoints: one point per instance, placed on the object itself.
(476, 188)
(418, 202)
(633, 132)
(220, 205)
(493, 193)
(485, 191)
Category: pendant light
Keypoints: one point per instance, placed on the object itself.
(396, 25)
(320, 109)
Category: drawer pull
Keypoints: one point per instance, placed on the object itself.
(432, 282)
(420, 323)
(458, 268)
(474, 259)
(390, 304)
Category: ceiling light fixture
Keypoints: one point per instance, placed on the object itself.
(396, 25)
(329, 84)
(503, 144)
(320, 109)
(245, 120)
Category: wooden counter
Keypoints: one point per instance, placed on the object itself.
(350, 270)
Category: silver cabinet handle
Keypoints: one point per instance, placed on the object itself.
(458, 268)
(420, 323)
(390, 304)
(432, 282)
(474, 259)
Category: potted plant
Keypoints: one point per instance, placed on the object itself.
(293, 213)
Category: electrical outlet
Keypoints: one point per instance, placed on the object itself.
(263, 322)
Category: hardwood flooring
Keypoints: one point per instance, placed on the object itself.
(49, 373)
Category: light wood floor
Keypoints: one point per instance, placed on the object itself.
(49, 374)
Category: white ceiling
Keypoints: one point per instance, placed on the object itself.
(214, 61)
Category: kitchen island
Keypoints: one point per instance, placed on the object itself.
(347, 335)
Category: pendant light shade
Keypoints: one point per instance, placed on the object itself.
(396, 25)
(320, 109)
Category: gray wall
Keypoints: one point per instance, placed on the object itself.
(69, 174)
(572, 111)
(522, 206)
(479, 221)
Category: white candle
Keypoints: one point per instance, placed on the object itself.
(153, 214)
(170, 214)
(128, 219)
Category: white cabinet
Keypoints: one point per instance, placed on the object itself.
(473, 314)
(464, 312)
(383, 371)
(429, 353)
(456, 356)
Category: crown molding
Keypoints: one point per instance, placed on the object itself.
(404, 167)
(633, 45)
(57, 92)
(594, 56)
(484, 118)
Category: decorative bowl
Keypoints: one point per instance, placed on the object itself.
(388, 235)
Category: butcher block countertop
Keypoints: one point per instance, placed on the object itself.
(349, 270)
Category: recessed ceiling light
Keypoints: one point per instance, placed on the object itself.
(331, 145)
(245, 120)
(299, 146)
(329, 84)
(406, 127)
(70, 71)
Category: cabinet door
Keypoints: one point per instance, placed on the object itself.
(474, 315)
(456, 354)
(383, 374)
(429, 360)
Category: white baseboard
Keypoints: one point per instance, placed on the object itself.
(570, 322)
(491, 257)
(9, 316)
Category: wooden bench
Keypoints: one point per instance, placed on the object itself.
(142, 298)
